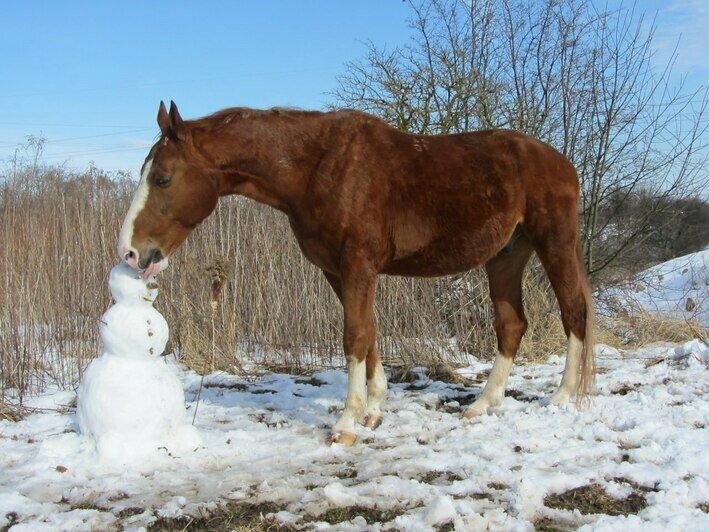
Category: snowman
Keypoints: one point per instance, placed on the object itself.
(130, 403)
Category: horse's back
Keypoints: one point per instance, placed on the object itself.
(455, 200)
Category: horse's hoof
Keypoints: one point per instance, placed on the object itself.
(560, 398)
(471, 413)
(347, 439)
(372, 421)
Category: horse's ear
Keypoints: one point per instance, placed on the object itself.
(177, 125)
(163, 119)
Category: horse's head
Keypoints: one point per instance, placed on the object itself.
(176, 192)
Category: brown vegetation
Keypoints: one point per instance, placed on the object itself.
(580, 79)
(593, 499)
(59, 233)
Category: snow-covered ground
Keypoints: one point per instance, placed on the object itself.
(677, 288)
(644, 439)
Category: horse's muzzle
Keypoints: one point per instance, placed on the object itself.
(149, 264)
(154, 256)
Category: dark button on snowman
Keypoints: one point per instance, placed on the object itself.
(130, 402)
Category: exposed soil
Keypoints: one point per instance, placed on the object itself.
(593, 499)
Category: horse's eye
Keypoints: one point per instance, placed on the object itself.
(162, 181)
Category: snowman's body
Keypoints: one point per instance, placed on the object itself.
(130, 402)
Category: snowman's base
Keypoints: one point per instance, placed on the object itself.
(119, 449)
(130, 407)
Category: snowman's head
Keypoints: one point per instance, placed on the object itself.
(128, 286)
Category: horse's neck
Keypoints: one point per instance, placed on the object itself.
(271, 161)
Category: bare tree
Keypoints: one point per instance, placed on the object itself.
(581, 79)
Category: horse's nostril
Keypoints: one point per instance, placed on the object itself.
(131, 257)
(155, 256)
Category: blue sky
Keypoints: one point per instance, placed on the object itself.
(88, 76)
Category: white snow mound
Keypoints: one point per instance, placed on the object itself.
(130, 402)
(678, 288)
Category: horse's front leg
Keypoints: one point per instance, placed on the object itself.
(358, 283)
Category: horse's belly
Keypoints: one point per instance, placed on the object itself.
(437, 260)
(457, 250)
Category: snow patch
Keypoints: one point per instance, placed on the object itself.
(678, 288)
(441, 511)
(645, 432)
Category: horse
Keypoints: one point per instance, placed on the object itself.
(365, 199)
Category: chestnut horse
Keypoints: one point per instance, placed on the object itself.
(365, 199)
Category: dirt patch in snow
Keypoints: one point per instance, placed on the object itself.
(312, 381)
(371, 515)
(238, 386)
(441, 478)
(251, 517)
(593, 499)
(260, 517)
(546, 524)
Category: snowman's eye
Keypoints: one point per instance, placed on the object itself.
(162, 181)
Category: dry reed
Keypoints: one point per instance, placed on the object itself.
(58, 232)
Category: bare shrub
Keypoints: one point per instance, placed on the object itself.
(570, 72)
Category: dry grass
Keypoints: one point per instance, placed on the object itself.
(643, 328)
(593, 499)
(55, 232)
(233, 517)
(252, 517)
(239, 287)
(371, 515)
(10, 412)
(546, 524)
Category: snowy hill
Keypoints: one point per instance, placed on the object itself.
(677, 288)
(636, 459)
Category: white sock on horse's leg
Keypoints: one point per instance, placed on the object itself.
(344, 430)
(569, 382)
(494, 390)
(376, 393)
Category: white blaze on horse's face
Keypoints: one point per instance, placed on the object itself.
(126, 235)
(126, 250)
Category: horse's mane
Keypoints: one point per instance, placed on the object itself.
(222, 119)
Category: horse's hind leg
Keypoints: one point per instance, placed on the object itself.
(563, 262)
(504, 274)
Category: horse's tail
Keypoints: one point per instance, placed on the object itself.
(587, 367)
